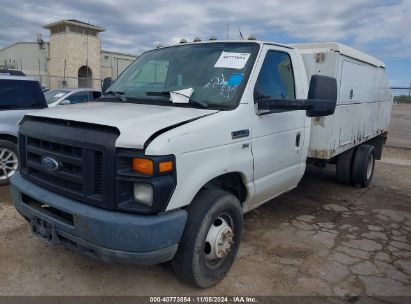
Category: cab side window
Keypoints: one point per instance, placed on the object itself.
(276, 78)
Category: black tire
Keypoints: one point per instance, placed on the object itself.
(363, 166)
(190, 262)
(6, 145)
(344, 167)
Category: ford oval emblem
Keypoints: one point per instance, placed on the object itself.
(49, 163)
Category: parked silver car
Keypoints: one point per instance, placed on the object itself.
(18, 95)
(70, 96)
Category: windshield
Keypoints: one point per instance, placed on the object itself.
(54, 95)
(21, 94)
(215, 73)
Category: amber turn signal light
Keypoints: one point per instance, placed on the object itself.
(144, 166)
(166, 166)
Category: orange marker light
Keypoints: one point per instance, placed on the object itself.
(166, 166)
(142, 165)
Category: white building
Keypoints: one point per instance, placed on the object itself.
(72, 58)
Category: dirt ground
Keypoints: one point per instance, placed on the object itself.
(320, 239)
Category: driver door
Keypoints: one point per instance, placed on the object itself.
(278, 137)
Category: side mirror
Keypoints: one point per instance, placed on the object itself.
(322, 96)
(322, 99)
(65, 102)
(106, 83)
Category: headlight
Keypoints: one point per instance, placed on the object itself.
(145, 183)
(143, 193)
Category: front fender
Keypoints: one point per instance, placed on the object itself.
(9, 121)
(7, 129)
(205, 149)
(195, 169)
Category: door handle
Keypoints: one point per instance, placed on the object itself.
(297, 139)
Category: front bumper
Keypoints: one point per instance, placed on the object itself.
(110, 236)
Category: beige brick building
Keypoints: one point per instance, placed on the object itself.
(72, 58)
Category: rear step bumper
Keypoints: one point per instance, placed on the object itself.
(110, 236)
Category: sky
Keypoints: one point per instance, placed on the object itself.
(379, 27)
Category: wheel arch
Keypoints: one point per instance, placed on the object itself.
(9, 137)
(232, 182)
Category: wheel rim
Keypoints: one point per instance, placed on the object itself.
(219, 241)
(8, 163)
(370, 166)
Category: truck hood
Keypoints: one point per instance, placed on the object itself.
(136, 122)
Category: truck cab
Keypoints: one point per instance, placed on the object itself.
(164, 165)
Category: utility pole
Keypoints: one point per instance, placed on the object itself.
(87, 84)
(64, 73)
(39, 72)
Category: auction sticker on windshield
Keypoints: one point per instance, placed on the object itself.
(232, 60)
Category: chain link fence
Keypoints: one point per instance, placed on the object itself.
(401, 94)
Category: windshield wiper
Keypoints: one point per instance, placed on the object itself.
(119, 95)
(167, 94)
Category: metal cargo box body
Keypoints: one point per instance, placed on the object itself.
(364, 98)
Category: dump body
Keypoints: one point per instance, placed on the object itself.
(364, 98)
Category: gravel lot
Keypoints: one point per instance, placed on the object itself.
(320, 239)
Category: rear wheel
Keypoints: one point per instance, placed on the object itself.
(344, 167)
(211, 238)
(363, 166)
(9, 162)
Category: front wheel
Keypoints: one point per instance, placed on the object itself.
(211, 238)
(9, 162)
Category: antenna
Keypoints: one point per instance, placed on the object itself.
(87, 85)
(228, 29)
(40, 40)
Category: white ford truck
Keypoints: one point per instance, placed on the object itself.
(188, 139)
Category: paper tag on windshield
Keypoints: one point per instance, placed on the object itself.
(232, 60)
(181, 96)
(59, 94)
